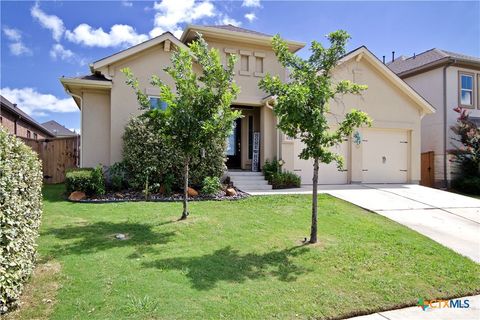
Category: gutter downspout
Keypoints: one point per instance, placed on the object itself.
(81, 122)
(445, 132)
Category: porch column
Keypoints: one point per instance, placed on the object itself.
(267, 135)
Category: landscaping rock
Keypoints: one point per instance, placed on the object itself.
(120, 236)
(230, 192)
(77, 196)
(192, 192)
(119, 195)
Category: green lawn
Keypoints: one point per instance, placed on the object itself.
(233, 260)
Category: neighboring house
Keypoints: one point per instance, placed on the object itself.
(19, 123)
(447, 80)
(58, 130)
(389, 152)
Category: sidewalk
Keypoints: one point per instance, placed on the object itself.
(416, 313)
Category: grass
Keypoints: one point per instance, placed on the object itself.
(236, 260)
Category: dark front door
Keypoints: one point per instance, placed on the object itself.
(233, 146)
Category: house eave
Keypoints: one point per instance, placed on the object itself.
(189, 31)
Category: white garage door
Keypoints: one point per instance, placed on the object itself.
(385, 156)
(327, 173)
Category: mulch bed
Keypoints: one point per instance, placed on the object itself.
(124, 196)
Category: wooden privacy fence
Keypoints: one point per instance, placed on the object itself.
(57, 155)
(428, 169)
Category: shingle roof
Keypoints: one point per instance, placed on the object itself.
(95, 76)
(5, 103)
(233, 28)
(403, 64)
(58, 129)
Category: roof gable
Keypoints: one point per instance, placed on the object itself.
(364, 53)
(135, 49)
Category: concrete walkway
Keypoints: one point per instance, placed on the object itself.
(416, 313)
(448, 218)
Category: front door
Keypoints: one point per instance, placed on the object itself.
(233, 146)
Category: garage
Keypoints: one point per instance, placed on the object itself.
(385, 156)
(327, 173)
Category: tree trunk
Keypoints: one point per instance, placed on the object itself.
(185, 191)
(313, 232)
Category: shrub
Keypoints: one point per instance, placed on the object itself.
(88, 180)
(270, 168)
(282, 180)
(211, 185)
(117, 176)
(146, 157)
(467, 184)
(20, 215)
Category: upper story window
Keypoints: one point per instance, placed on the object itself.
(29, 134)
(259, 63)
(466, 94)
(244, 63)
(157, 103)
(35, 136)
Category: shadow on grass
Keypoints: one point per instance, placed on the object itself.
(228, 264)
(100, 236)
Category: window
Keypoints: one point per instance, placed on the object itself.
(35, 136)
(157, 103)
(29, 134)
(466, 90)
(258, 64)
(244, 63)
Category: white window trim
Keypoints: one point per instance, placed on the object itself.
(472, 91)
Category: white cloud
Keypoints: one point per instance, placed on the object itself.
(250, 16)
(12, 34)
(224, 19)
(51, 22)
(126, 3)
(119, 35)
(171, 13)
(251, 3)
(36, 103)
(16, 46)
(18, 49)
(59, 52)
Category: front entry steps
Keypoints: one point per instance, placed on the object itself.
(249, 181)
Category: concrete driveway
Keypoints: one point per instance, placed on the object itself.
(448, 218)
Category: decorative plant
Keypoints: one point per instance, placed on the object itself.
(199, 110)
(302, 103)
(466, 153)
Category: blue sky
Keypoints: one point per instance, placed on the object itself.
(41, 41)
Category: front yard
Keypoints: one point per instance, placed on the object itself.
(232, 260)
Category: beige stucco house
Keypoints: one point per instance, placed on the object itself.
(447, 80)
(389, 152)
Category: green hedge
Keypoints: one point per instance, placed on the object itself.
(467, 184)
(147, 156)
(88, 180)
(282, 180)
(20, 215)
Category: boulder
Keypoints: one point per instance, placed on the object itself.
(77, 196)
(119, 195)
(192, 192)
(230, 192)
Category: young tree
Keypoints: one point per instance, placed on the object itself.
(199, 111)
(302, 104)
